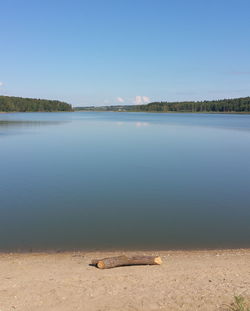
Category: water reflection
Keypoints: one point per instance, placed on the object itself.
(137, 123)
(141, 124)
(8, 127)
(11, 123)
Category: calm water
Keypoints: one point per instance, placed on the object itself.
(89, 180)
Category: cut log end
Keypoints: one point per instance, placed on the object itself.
(100, 264)
(158, 260)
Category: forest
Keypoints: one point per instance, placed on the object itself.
(236, 105)
(19, 104)
(224, 105)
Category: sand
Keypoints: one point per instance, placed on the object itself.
(187, 280)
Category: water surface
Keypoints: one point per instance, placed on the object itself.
(91, 180)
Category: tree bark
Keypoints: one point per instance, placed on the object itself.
(112, 262)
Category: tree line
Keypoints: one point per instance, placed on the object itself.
(224, 105)
(19, 104)
(239, 105)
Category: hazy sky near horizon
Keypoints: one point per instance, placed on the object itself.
(103, 52)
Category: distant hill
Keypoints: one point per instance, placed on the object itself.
(238, 105)
(19, 104)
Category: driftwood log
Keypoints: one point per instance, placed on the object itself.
(112, 262)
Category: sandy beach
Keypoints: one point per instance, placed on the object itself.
(187, 280)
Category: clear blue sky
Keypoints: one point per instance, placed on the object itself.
(124, 51)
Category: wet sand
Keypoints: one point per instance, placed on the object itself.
(187, 280)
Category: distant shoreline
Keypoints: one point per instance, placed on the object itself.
(166, 112)
(230, 105)
(240, 105)
(155, 112)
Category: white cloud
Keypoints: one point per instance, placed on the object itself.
(146, 99)
(120, 99)
(139, 100)
(1, 83)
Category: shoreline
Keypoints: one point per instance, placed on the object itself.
(155, 112)
(204, 280)
(166, 112)
(115, 251)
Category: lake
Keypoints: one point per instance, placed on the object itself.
(105, 180)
